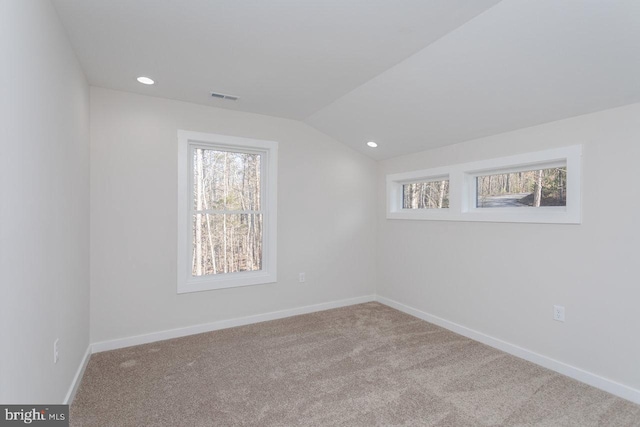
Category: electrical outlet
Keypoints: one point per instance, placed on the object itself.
(558, 313)
(56, 350)
(301, 278)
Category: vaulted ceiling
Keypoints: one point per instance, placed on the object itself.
(410, 75)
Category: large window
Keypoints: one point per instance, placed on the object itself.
(539, 187)
(226, 211)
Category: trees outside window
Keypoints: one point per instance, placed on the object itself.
(533, 188)
(227, 217)
(537, 187)
(426, 195)
(227, 208)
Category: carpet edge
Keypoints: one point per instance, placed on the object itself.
(224, 324)
(77, 379)
(594, 380)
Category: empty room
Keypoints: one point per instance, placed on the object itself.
(319, 212)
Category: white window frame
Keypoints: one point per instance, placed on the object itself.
(395, 183)
(462, 189)
(187, 141)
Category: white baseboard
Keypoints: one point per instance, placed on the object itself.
(223, 324)
(581, 375)
(71, 394)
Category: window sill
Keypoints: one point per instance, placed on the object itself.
(229, 280)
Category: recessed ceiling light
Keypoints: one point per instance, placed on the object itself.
(372, 144)
(145, 80)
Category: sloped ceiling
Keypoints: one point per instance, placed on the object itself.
(410, 75)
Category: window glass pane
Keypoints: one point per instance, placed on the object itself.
(226, 243)
(534, 188)
(224, 180)
(426, 195)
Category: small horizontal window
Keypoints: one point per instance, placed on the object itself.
(538, 187)
(532, 188)
(426, 195)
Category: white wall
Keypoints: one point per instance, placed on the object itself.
(326, 217)
(44, 205)
(499, 279)
(502, 279)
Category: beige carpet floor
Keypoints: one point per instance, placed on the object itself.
(362, 365)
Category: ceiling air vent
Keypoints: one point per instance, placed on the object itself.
(224, 96)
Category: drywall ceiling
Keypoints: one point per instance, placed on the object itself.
(285, 58)
(519, 64)
(411, 75)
